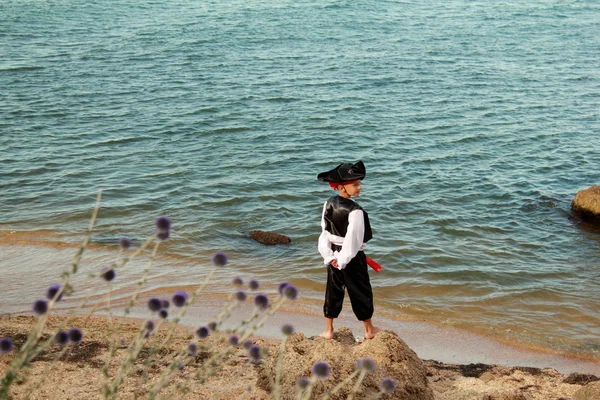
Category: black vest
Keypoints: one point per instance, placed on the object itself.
(336, 217)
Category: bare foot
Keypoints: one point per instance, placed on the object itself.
(370, 334)
(327, 335)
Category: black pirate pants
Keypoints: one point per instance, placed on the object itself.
(355, 278)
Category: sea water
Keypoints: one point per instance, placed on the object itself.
(478, 123)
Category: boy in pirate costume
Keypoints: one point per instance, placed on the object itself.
(345, 231)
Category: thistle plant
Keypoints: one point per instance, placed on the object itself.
(320, 371)
(40, 307)
(287, 330)
(116, 370)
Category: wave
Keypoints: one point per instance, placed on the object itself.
(19, 68)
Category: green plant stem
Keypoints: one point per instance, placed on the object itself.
(278, 369)
(165, 377)
(309, 389)
(24, 356)
(356, 387)
(340, 385)
(47, 370)
(132, 353)
(115, 329)
(86, 239)
(143, 280)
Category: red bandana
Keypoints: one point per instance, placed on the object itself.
(334, 185)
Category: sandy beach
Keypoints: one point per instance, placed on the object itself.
(79, 372)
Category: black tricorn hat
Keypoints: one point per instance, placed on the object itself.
(344, 173)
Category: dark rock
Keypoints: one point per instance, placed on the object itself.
(580, 379)
(269, 238)
(474, 370)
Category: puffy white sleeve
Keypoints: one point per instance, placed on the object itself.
(324, 242)
(353, 241)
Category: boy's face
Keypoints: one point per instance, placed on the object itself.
(352, 189)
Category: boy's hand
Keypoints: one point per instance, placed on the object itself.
(334, 263)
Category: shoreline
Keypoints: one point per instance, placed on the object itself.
(78, 374)
(443, 344)
(447, 345)
(430, 342)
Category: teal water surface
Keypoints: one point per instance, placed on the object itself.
(478, 123)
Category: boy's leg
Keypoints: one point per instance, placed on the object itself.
(370, 330)
(360, 292)
(328, 333)
(334, 299)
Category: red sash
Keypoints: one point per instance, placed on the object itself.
(373, 264)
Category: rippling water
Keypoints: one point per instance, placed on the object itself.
(478, 123)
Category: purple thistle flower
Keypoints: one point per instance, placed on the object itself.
(164, 314)
(212, 326)
(162, 235)
(320, 369)
(253, 284)
(154, 304)
(75, 335)
(290, 292)
(202, 332)
(163, 223)
(261, 301)
(366, 364)
(282, 286)
(180, 298)
(302, 382)
(124, 243)
(388, 385)
(254, 353)
(192, 349)
(247, 344)
(52, 290)
(61, 338)
(287, 329)
(237, 281)
(40, 307)
(240, 296)
(163, 228)
(233, 340)
(148, 327)
(219, 259)
(6, 345)
(108, 274)
(165, 303)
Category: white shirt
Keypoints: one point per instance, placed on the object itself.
(351, 244)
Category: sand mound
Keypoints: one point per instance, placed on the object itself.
(588, 392)
(392, 357)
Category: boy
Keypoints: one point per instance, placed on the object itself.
(345, 231)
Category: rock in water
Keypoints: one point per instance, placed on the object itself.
(392, 357)
(587, 203)
(269, 238)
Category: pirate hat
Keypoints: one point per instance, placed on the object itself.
(344, 173)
